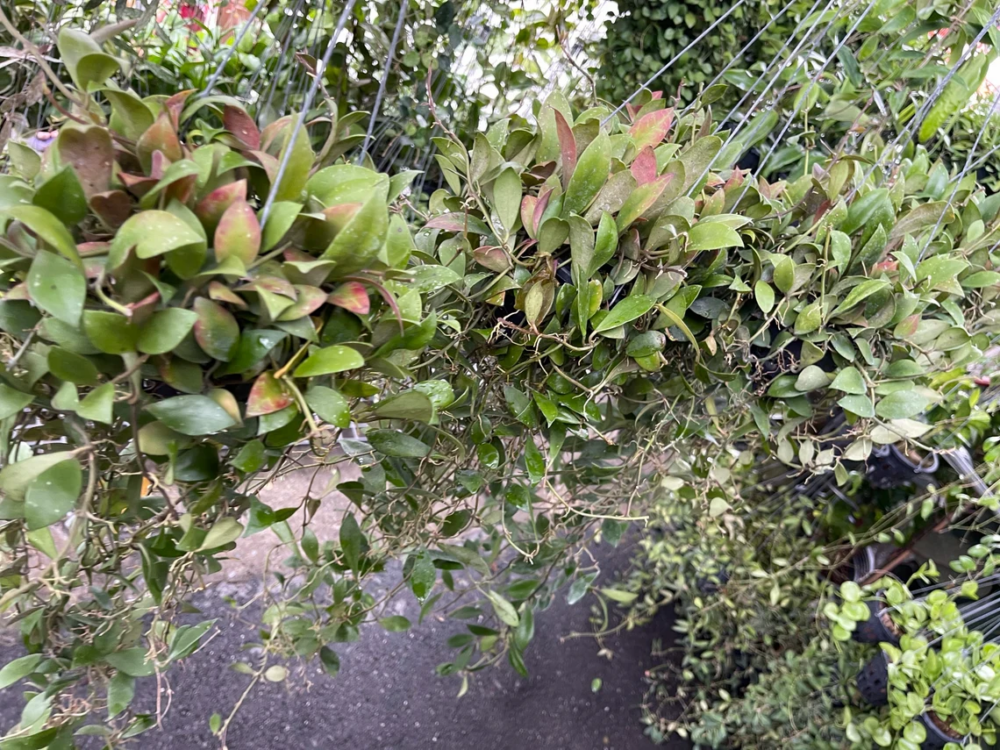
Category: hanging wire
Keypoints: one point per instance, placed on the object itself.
(385, 78)
(306, 106)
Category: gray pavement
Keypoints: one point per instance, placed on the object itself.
(388, 697)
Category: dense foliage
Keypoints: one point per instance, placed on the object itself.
(595, 310)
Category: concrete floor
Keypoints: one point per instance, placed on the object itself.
(387, 695)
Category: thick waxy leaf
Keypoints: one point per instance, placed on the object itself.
(71, 367)
(358, 244)
(411, 405)
(12, 401)
(507, 197)
(902, 405)
(47, 228)
(238, 233)
(268, 395)
(215, 330)
(849, 380)
(299, 163)
(567, 145)
(211, 208)
(110, 332)
(332, 359)
(589, 176)
(641, 200)
(643, 167)
(160, 136)
(352, 296)
(57, 286)
(152, 233)
(651, 128)
(310, 299)
(192, 415)
(253, 346)
(859, 293)
(330, 405)
(90, 152)
(15, 477)
(625, 311)
(129, 113)
(398, 444)
(86, 61)
(52, 494)
(764, 295)
(98, 405)
(62, 195)
(712, 235)
(241, 125)
(165, 330)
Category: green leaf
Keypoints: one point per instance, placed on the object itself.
(215, 330)
(191, 415)
(504, 609)
(784, 274)
(330, 661)
(395, 624)
(62, 195)
(110, 332)
(849, 380)
(48, 228)
(98, 405)
(411, 405)
(52, 494)
(606, 244)
(592, 170)
(330, 405)
(398, 444)
(902, 405)
(153, 233)
(16, 477)
(352, 541)
(811, 378)
(862, 291)
(225, 531)
(423, 575)
(18, 669)
(131, 661)
(858, 404)
(625, 311)
(58, 287)
(86, 61)
(358, 244)
(534, 461)
(764, 295)
(13, 401)
(121, 690)
(712, 235)
(507, 197)
(332, 359)
(809, 319)
(300, 161)
(165, 330)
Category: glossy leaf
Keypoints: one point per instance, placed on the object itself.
(58, 287)
(330, 360)
(192, 415)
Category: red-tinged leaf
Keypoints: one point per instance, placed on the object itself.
(493, 258)
(213, 205)
(540, 206)
(643, 168)
(273, 284)
(271, 131)
(242, 126)
(641, 200)
(310, 299)
(175, 105)
(352, 296)
(657, 95)
(140, 312)
(222, 293)
(567, 146)
(137, 184)
(216, 330)
(651, 128)
(907, 326)
(632, 111)
(885, 265)
(89, 249)
(159, 165)
(267, 396)
(267, 162)
(340, 216)
(114, 206)
(528, 204)
(453, 222)
(181, 190)
(161, 136)
(297, 256)
(238, 233)
(91, 154)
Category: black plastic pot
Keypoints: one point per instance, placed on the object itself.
(873, 680)
(713, 582)
(890, 467)
(937, 738)
(874, 629)
(862, 563)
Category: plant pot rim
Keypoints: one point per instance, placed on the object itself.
(942, 725)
